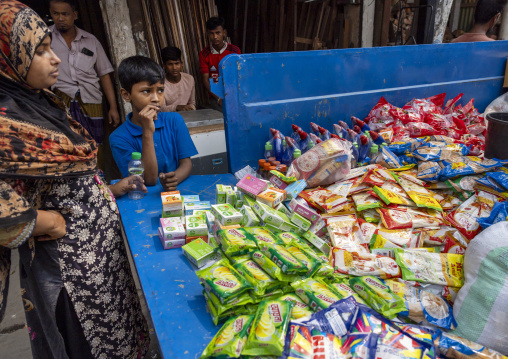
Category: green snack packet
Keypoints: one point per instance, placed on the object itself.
(371, 216)
(223, 280)
(300, 310)
(236, 241)
(284, 260)
(230, 339)
(365, 201)
(221, 317)
(280, 175)
(315, 293)
(291, 238)
(256, 276)
(378, 295)
(269, 329)
(272, 295)
(271, 268)
(343, 290)
(239, 259)
(263, 237)
(221, 308)
(273, 229)
(337, 277)
(312, 264)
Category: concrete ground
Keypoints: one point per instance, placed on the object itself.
(13, 334)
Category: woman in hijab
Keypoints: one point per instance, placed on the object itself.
(77, 287)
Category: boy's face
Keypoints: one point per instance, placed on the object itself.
(216, 36)
(143, 94)
(173, 68)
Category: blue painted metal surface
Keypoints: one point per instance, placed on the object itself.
(278, 89)
(170, 286)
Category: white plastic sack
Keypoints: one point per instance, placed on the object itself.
(481, 307)
(500, 104)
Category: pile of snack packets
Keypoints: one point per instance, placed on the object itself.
(366, 267)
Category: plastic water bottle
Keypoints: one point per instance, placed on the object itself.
(137, 168)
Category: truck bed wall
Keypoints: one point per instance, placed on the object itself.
(277, 89)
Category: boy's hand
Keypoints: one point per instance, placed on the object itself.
(184, 108)
(147, 115)
(169, 181)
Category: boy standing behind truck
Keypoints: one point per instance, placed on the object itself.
(211, 55)
(179, 89)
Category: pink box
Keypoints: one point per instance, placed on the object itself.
(277, 182)
(251, 185)
(304, 211)
(170, 243)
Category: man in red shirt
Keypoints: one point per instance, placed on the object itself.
(211, 55)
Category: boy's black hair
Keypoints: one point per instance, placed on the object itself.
(171, 53)
(72, 3)
(136, 69)
(487, 9)
(214, 22)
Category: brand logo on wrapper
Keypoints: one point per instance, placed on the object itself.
(236, 233)
(275, 312)
(325, 298)
(226, 283)
(376, 284)
(238, 325)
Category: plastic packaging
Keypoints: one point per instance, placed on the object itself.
(268, 151)
(324, 133)
(291, 146)
(326, 163)
(136, 168)
(315, 293)
(230, 339)
(278, 148)
(295, 134)
(363, 126)
(304, 141)
(363, 148)
(361, 264)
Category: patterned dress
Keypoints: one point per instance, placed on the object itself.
(90, 262)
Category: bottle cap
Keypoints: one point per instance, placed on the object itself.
(364, 140)
(357, 129)
(303, 135)
(261, 163)
(282, 168)
(374, 149)
(295, 128)
(268, 146)
(355, 144)
(297, 153)
(311, 144)
(136, 155)
(266, 165)
(273, 168)
(322, 130)
(374, 135)
(276, 163)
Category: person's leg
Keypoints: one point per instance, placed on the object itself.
(69, 327)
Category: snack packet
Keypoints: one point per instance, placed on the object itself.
(233, 303)
(284, 260)
(256, 276)
(394, 238)
(270, 267)
(341, 234)
(420, 195)
(315, 293)
(389, 196)
(343, 290)
(453, 346)
(425, 267)
(424, 307)
(300, 345)
(361, 346)
(235, 241)
(429, 171)
(269, 328)
(223, 280)
(371, 216)
(378, 295)
(300, 309)
(361, 264)
(325, 344)
(312, 263)
(365, 201)
(263, 237)
(230, 339)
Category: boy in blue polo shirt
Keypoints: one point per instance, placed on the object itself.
(162, 138)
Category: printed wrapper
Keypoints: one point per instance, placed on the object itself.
(420, 195)
(282, 208)
(300, 309)
(190, 207)
(341, 234)
(235, 303)
(378, 295)
(236, 241)
(312, 264)
(230, 196)
(394, 238)
(290, 238)
(198, 252)
(196, 226)
(269, 328)
(365, 201)
(343, 290)
(172, 228)
(271, 197)
(315, 293)
(170, 243)
(434, 268)
(453, 346)
(424, 307)
(390, 197)
(256, 276)
(270, 267)
(298, 207)
(220, 318)
(317, 242)
(223, 280)
(230, 339)
(294, 189)
(361, 264)
(285, 260)
(269, 215)
(263, 237)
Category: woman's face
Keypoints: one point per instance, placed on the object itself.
(43, 71)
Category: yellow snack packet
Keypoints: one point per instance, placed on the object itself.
(419, 194)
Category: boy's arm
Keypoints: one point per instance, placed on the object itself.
(147, 117)
(171, 180)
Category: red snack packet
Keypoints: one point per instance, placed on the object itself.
(372, 179)
(419, 129)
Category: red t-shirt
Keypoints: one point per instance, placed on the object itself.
(209, 59)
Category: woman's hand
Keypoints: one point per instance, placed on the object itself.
(49, 225)
(128, 184)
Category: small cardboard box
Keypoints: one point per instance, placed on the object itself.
(272, 197)
(294, 189)
(220, 192)
(172, 228)
(277, 182)
(196, 226)
(190, 239)
(190, 207)
(249, 217)
(170, 243)
(282, 208)
(197, 252)
(304, 211)
(300, 221)
(190, 198)
(217, 226)
(230, 196)
(239, 199)
(251, 186)
(269, 215)
(226, 214)
(172, 205)
(317, 242)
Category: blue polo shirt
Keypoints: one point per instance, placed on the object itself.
(171, 140)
